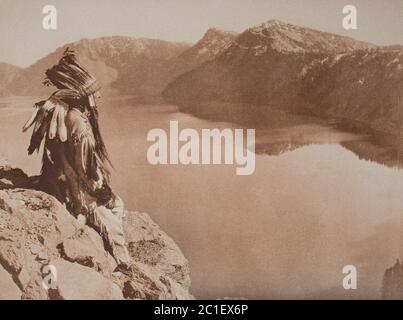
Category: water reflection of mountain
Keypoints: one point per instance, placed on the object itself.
(367, 145)
(285, 131)
(386, 152)
(277, 148)
(369, 148)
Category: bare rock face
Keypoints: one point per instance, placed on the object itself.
(75, 281)
(38, 234)
(160, 269)
(153, 248)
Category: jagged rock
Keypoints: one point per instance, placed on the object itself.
(78, 282)
(87, 248)
(36, 231)
(31, 229)
(143, 282)
(140, 285)
(151, 246)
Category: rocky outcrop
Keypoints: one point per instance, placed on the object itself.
(392, 288)
(46, 253)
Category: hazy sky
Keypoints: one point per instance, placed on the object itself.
(23, 41)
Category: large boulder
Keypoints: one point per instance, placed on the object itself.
(38, 234)
(75, 281)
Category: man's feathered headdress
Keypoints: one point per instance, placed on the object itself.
(69, 74)
(74, 83)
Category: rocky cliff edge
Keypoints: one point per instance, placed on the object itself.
(46, 253)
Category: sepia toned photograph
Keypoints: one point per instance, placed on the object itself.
(227, 150)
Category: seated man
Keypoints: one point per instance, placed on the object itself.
(75, 166)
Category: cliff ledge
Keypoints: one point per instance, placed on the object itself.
(37, 234)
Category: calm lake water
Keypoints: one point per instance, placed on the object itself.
(311, 207)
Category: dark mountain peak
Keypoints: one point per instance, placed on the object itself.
(272, 23)
(213, 42)
(214, 32)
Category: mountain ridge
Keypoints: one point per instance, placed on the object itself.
(286, 37)
(121, 64)
(270, 66)
(273, 63)
(124, 65)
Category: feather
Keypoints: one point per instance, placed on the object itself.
(69, 74)
(84, 155)
(37, 137)
(53, 123)
(88, 158)
(39, 131)
(41, 120)
(61, 126)
(31, 120)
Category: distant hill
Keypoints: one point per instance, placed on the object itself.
(126, 65)
(123, 65)
(259, 65)
(365, 86)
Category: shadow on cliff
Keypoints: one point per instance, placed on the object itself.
(11, 178)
